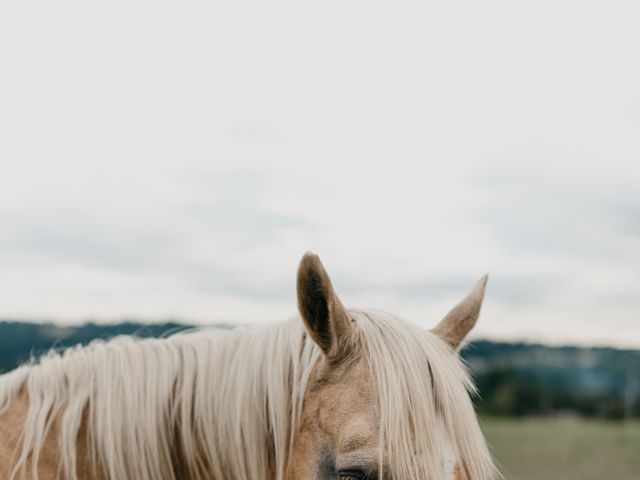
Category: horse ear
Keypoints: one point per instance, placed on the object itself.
(455, 326)
(326, 320)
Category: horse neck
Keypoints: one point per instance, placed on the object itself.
(203, 405)
(243, 400)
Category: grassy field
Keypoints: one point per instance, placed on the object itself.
(564, 450)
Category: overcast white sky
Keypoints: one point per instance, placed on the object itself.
(176, 159)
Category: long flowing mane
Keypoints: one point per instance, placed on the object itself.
(226, 404)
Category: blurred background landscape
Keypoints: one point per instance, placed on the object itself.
(172, 161)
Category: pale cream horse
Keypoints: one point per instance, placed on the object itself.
(342, 395)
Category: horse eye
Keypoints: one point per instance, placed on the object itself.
(352, 475)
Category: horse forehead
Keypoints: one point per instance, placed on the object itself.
(343, 401)
(358, 431)
(348, 390)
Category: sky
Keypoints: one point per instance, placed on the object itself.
(176, 159)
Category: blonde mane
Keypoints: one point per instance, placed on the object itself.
(422, 391)
(226, 404)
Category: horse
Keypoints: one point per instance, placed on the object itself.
(332, 394)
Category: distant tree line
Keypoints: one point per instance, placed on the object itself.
(506, 392)
(513, 379)
(20, 342)
(518, 379)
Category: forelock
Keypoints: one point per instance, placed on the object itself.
(421, 390)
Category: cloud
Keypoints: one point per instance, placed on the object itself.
(185, 174)
(540, 205)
